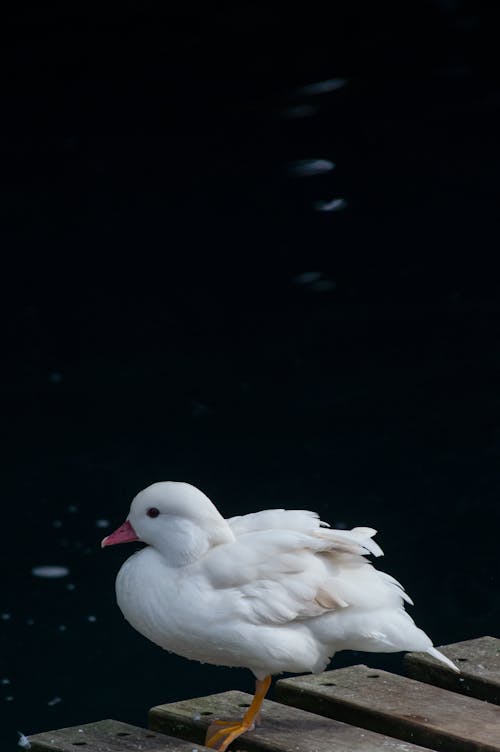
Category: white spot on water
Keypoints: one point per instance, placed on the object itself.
(72, 508)
(336, 204)
(315, 281)
(54, 701)
(29, 622)
(199, 409)
(50, 571)
(323, 285)
(322, 87)
(5, 616)
(23, 742)
(91, 618)
(307, 277)
(102, 523)
(62, 627)
(5, 681)
(9, 698)
(57, 523)
(303, 168)
(70, 586)
(300, 111)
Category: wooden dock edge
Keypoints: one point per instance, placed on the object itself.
(107, 736)
(478, 661)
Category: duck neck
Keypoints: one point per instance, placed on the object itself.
(188, 542)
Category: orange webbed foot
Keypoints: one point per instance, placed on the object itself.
(220, 734)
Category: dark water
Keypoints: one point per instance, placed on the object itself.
(163, 320)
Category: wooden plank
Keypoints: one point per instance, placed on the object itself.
(397, 706)
(478, 660)
(106, 736)
(282, 728)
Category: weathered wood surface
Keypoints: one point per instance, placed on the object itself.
(106, 736)
(478, 660)
(282, 728)
(399, 707)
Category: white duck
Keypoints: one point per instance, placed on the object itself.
(273, 591)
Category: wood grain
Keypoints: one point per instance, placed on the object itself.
(106, 736)
(399, 707)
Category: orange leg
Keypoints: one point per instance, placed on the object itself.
(231, 730)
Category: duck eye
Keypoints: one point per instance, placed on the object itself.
(153, 512)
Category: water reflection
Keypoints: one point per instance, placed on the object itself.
(322, 87)
(304, 168)
(336, 204)
(50, 571)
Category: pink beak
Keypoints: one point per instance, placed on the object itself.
(123, 534)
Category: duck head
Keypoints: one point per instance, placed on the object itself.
(176, 519)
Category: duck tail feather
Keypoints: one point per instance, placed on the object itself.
(440, 657)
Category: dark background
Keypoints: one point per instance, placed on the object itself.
(158, 326)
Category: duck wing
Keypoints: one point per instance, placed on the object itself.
(286, 565)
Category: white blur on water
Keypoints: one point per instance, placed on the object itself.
(307, 277)
(50, 571)
(102, 523)
(23, 742)
(336, 204)
(300, 111)
(322, 87)
(315, 281)
(303, 168)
